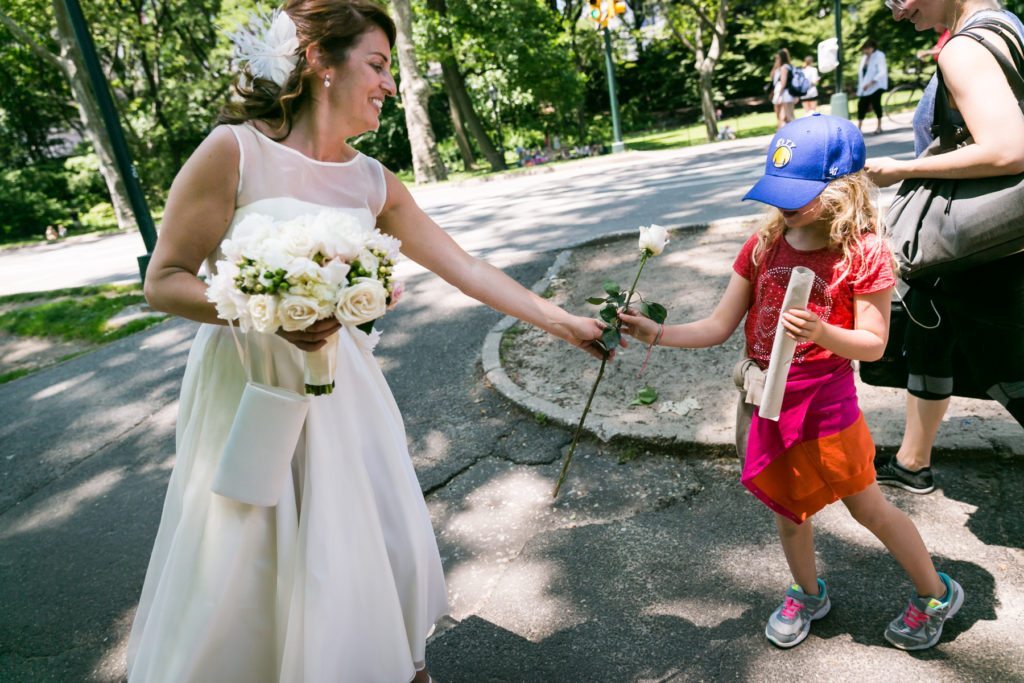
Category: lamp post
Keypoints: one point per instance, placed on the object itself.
(617, 144)
(113, 125)
(838, 104)
(493, 94)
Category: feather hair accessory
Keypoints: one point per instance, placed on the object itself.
(266, 46)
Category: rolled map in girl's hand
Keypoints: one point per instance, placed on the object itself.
(797, 294)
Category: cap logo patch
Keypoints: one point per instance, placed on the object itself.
(783, 153)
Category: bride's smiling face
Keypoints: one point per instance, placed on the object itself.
(361, 84)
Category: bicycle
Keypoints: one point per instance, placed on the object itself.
(899, 102)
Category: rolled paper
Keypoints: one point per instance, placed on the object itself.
(797, 294)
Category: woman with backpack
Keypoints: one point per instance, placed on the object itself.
(783, 101)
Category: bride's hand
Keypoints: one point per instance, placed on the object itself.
(314, 336)
(583, 332)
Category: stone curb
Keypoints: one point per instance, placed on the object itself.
(605, 430)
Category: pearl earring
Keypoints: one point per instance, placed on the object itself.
(327, 80)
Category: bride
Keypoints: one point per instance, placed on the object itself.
(342, 580)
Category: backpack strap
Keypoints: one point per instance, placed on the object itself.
(949, 133)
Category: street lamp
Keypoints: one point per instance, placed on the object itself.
(492, 92)
(601, 11)
(838, 104)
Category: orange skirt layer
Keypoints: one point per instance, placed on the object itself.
(816, 473)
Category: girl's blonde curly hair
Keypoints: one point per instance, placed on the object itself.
(849, 202)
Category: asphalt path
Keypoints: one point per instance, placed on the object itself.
(88, 445)
(507, 219)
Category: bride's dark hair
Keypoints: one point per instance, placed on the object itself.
(333, 25)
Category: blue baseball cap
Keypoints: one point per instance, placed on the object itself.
(805, 156)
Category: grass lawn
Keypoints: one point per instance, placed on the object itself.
(64, 323)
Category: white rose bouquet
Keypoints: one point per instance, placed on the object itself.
(289, 274)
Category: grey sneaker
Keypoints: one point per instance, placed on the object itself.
(791, 622)
(920, 625)
(894, 474)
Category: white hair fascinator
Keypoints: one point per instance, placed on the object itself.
(268, 45)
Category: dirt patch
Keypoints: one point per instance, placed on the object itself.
(696, 399)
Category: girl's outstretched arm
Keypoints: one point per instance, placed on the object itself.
(866, 341)
(709, 331)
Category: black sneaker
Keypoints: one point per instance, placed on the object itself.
(894, 474)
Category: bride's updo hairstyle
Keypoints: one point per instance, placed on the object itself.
(335, 26)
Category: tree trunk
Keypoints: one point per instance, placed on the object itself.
(415, 90)
(459, 124)
(457, 89)
(92, 118)
(71, 64)
(455, 84)
(707, 100)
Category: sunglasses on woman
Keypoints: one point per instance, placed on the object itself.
(895, 5)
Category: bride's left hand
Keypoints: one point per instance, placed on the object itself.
(583, 332)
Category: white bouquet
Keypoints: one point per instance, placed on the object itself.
(289, 274)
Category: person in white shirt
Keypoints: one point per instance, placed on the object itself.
(872, 81)
(810, 99)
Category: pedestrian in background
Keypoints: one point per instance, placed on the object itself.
(782, 100)
(872, 82)
(810, 101)
(819, 450)
(981, 309)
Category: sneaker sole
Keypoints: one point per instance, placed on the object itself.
(906, 487)
(802, 636)
(938, 634)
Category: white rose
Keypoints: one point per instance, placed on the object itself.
(337, 235)
(263, 311)
(298, 312)
(274, 254)
(298, 240)
(653, 239)
(364, 301)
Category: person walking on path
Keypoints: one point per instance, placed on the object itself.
(342, 580)
(872, 82)
(981, 310)
(819, 450)
(810, 101)
(782, 100)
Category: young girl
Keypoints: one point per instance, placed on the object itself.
(820, 450)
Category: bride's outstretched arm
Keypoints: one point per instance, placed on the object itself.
(426, 243)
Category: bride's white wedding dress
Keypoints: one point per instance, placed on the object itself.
(342, 581)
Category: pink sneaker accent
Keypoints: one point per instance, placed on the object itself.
(791, 607)
(914, 617)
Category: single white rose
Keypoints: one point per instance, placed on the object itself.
(263, 311)
(653, 239)
(298, 240)
(298, 312)
(364, 301)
